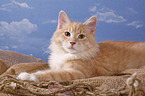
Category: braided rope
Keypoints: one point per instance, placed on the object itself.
(9, 84)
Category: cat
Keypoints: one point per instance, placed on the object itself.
(75, 54)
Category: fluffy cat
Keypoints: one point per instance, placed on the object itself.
(75, 54)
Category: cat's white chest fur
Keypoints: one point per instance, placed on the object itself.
(56, 61)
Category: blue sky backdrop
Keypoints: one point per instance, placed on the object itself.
(26, 26)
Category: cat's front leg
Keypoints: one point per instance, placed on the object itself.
(57, 75)
(27, 76)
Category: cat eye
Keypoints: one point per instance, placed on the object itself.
(67, 34)
(81, 36)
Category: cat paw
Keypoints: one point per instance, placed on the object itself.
(27, 76)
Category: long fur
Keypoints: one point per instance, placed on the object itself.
(86, 58)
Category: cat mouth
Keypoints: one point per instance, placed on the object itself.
(71, 48)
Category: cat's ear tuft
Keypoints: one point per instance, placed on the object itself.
(63, 19)
(91, 24)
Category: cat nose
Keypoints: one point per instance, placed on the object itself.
(72, 43)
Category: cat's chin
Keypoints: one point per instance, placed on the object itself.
(71, 50)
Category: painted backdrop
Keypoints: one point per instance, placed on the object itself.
(26, 26)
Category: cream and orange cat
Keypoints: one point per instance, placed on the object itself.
(75, 54)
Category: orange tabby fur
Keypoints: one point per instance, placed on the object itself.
(86, 58)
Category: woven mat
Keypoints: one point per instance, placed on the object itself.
(130, 83)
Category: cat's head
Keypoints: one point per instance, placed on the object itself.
(73, 37)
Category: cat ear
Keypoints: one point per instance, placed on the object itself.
(63, 19)
(91, 24)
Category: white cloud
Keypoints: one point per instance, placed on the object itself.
(6, 47)
(132, 10)
(106, 15)
(93, 9)
(17, 28)
(14, 47)
(49, 21)
(136, 24)
(109, 17)
(12, 4)
(6, 7)
(24, 5)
